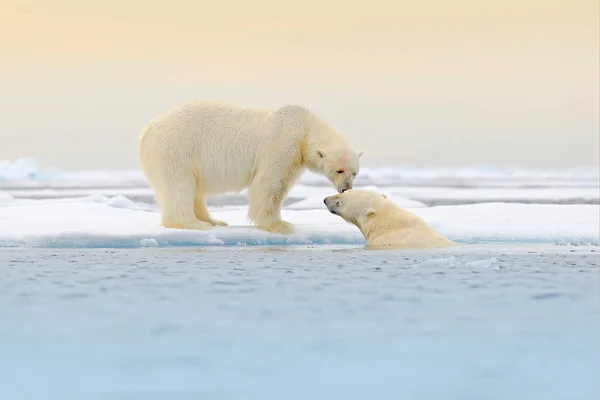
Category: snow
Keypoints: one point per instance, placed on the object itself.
(25, 169)
(411, 187)
(119, 222)
(404, 196)
(113, 208)
(28, 173)
(431, 194)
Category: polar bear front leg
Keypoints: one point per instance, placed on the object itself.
(266, 196)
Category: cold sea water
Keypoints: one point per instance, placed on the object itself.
(480, 321)
(300, 322)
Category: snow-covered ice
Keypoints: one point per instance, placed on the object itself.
(26, 172)
(26, 179)
(52, 208)
(119, 222)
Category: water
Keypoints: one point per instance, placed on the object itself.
(298, 322)
(486, 321)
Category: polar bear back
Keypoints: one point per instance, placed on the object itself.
(218, 142)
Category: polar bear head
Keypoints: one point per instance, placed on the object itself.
(340, 166)
(356, 205)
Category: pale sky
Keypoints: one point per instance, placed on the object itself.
(424, 83)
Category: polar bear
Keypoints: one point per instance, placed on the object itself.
(382, 222)
(201, 148)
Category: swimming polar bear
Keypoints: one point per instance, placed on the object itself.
(382, 222)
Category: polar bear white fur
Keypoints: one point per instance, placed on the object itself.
(202, 148)
(382, 222)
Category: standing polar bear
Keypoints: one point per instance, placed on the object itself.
(202, 148)
(382, 222)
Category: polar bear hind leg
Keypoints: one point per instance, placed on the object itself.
(175, 198)
(201, 211)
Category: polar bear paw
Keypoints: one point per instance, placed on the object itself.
(216, 222)
(192, 225)
(280, 226)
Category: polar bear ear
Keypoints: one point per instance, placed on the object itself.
(384, 196)
(360, 153)
(321, 153)
(371, 213)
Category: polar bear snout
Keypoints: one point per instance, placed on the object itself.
(345, 185)
(331, 203)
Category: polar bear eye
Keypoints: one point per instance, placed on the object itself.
(340, 171)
